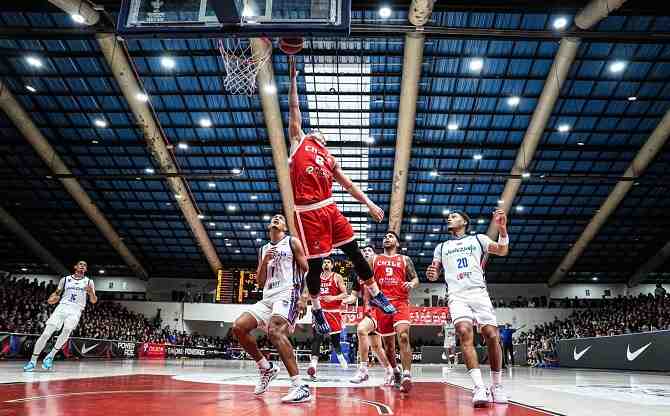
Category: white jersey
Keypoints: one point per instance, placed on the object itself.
(463, 260)
(282, 272)
(74, 290)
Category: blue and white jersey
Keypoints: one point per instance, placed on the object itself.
(463, 260)
(282, 272)
(73, 290)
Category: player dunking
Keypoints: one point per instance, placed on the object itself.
(75, 289)
(333, 291)
(281, 266)
(368, 338)
(320, 223)
(464, 259)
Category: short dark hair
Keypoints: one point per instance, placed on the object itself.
(369, 246)
(466, 217)
(394, 234)
(332, 260)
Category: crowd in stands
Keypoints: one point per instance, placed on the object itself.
(607, 317)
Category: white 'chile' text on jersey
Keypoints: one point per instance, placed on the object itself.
(463, 260)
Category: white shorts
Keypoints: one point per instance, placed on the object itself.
(473, 305)
(66, 316)
(284, 305)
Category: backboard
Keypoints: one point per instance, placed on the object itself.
(219, 18)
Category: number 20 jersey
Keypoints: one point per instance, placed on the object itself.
(463, 260)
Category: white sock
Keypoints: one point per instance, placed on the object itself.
(363, 364)
(398, 369)
(316, 304)
(476, 375)
(373, 289)
(263, 364)
(295, 380)
(406, 372)
(496, 377)
(389, 369)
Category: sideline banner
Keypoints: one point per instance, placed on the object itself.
(418, 315)
(90, 348)
(645, 351)
(149, 350)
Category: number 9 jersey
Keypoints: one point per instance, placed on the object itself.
(463, 260)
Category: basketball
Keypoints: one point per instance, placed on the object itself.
(291, 46)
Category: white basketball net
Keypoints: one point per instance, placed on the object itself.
(241, 65)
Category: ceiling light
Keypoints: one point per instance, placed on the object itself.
(433, 173)
(168, 203)
(100, 123)
(177, 196)
(580, 143)
(617, 66)
(266, 218)
(560, 23)
(513, 101)
(423, 200)
(236, 171)
(31, 88)
(422, 254)
(271, 88)
(254, 197)
(369, 139)
(477, 157)
(202, 217)
(77, 18)
(149, 170)
(231, 207)
(452, 126)
(408, 237)
(525, 175)
(480, 221)
(140, 96)
(94, 141)
(446, 212)
(237, 251)
(459, 188)
(229, 244)
(385, 12)
(500, 201)
(205, 123)
(258, 240)
(34, 61)
(246, 227)
(183, 146)
(427, 243)
(101, 271)
(436, 230)
(23, 269)
(563, 128)
(636, 183)
(476, 64)
(211, 185)
(168, 63)
(414, 220)
(519, 207)
(404, 249)
(594, 278)
(253, 233)
(211, 224)
(473, 232)
(632, 98)
(219, 233)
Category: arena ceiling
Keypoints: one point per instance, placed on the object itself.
(467, 135)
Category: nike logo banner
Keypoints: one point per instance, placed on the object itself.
(644, 351)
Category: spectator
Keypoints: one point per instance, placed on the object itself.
(660, 290)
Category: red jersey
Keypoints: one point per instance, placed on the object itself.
(389, 272)
(329, 288)
(312, 168)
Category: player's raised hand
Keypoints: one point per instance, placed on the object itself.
(432, 272)
(500, 218)
(407, 286)
(270, 254)
(376, 212)
(89, 289)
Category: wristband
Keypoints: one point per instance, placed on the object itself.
(503, 241)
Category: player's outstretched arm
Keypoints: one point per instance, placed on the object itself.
(346, 183)
(501, 248)
(55, 297)
(433, 271)
(90, 290)
(295, 132)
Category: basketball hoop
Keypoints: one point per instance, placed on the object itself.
(242, 64)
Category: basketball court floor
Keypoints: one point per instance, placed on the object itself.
(211, 387)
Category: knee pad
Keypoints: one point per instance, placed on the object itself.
(313, 277)
(361, 265)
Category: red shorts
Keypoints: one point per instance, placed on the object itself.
(385, 324)
(334, 320)
(322, 227)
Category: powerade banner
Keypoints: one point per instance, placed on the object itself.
(646, 351)
(124, 349)
(149, 350)
(418, 315)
